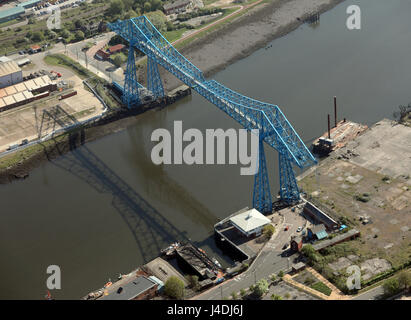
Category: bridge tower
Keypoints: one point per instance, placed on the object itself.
(132, 88)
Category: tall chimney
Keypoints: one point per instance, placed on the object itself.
(335, 111)
(329, 134)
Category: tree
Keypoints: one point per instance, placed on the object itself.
(37, 36)
(116, 8)
(276, 297)
(391, 286)
(78, 23)
(174, 288)
(130, 14)
(193, 281)
(281, 274)
(260, 288)
(147, 7)
(404, 279)
(155, 4)
(118, 61)
(243, 292)
(79, 35)
(268, 231)
(65, 33)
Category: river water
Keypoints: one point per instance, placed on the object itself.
(105, 208)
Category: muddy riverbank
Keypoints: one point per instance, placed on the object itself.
(246, 34)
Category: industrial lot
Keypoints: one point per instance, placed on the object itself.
(348, 206)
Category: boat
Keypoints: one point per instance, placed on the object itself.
(218, 264)
(171, 249)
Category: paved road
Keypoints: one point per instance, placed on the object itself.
(268, 262)
(372, 294)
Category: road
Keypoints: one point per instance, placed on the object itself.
(268, 262)
(372, 294)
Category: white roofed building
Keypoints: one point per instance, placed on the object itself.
(250, 223)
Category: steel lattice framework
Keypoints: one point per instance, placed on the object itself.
(273, 126)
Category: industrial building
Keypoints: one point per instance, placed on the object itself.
(139, 288)
(29, 4)
(10, 73)
(26, 92)
(250, 223)
(10, 14)
(177, 6)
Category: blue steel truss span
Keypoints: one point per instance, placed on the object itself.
(273, 126)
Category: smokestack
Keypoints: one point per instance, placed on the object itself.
(335, 111)
(329, 134)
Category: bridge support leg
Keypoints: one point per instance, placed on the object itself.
(289, 192)
(262, 194)
(153, 79)
(131, 85)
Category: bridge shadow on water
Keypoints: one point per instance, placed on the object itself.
(150, 229)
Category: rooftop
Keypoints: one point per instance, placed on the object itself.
(116, 48)
(131, 290)
(10, 12)
(341, 237)
(29, 3)
(8, 67)
(176, 3)
(249, 220)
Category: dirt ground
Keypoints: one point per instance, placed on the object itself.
(373, 186)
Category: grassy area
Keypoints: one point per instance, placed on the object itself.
(9, 23)
(213, 28)
(27, 153)
(174, 35)
(321, 287)
(64, 61)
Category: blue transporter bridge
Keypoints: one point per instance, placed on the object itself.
(273, 126)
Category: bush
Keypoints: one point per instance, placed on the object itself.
(174, 288)
(243, 292)
(391, 287)
(234, 295)
(404, 279)
(260, 288)
(193, 282)
(276, 297)
(281, 274)
(268, 231)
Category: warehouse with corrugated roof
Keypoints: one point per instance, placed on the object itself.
(10, 14)
(26, 92)
(10, 73)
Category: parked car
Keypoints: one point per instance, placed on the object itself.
(299, 229)
(286, 228)
(285, 246)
